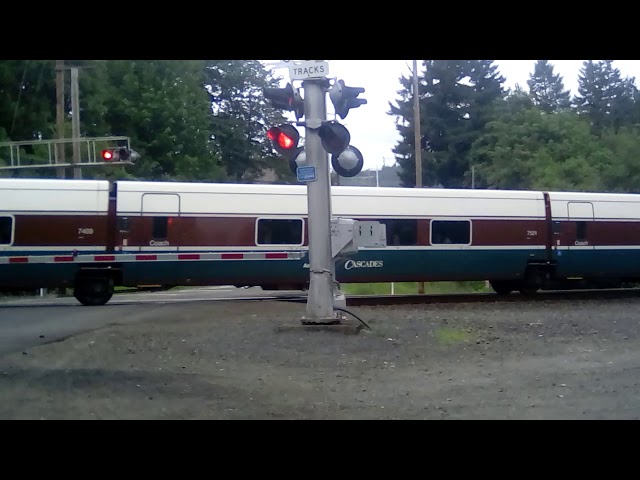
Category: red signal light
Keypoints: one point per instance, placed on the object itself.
(107, 155)
(285, 141)
(282, 139)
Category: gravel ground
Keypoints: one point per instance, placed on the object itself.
(225, 360)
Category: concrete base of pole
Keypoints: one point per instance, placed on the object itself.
(344, 328)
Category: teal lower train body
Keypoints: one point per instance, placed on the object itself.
(367, 266)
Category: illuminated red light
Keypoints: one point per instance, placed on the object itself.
(107, 154)
(285, 141)
(281, 138)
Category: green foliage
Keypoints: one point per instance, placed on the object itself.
(241, 116)
(27, 95)
(529, 149)
(163, 107)
(205, 120)
(622, 174)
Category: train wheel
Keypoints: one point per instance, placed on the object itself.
(92, 291)
(529, 290)
(502, 287)
(531, 282)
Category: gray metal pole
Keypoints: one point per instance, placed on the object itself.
(416, 128)
(320, 298)
(75, 132)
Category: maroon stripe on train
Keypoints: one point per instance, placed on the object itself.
(18, 260)
(146, 257)
(276, 255)
(188, 256)
(65, 258)
(232, 256)
(60, 230)
(104, 258)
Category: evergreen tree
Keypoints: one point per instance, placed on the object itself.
(457, 98)
(547, 88)
(604, 97)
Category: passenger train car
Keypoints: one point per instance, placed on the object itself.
(93, 235)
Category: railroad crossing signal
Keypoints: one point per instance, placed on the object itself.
(345, 98)
(335, 137)
(310, 165)
(284, 139)
(120, 154)
(348, 163)
(286, 98)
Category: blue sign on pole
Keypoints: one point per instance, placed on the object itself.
(306, 174)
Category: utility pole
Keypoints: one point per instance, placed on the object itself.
(320, 298)
(416, 128)
(60, 114)
(75, 107)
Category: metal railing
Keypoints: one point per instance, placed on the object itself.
(15, 159)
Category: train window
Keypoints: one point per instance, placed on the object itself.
(160, 228)
(401, 231)
(123, 224)
(6, 230)
(581, 231)
(456, 232)
(273, 231)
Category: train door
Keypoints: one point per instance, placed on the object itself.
(7, 228)
(161, 211)
(580, 241)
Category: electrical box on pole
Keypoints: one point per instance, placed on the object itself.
(348, 236)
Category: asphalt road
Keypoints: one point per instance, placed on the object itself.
(29, 322)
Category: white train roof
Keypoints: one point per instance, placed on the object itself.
(191, 198)
(26, 195)
(262, 199)
(601, 206)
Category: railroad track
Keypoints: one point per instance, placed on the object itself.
(549, 295)
(567, 295)
(382, 300)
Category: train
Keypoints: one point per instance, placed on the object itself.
(95, 235)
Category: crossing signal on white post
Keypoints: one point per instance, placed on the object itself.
(287, 98)
(334, 136)
(284, 140)
(348, 163)
(345, 98)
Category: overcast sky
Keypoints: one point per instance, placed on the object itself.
(374, 132)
